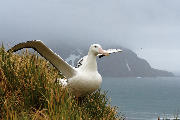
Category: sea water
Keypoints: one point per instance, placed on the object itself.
(144, 98)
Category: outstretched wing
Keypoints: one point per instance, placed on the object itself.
(67, 70)
(110, 51)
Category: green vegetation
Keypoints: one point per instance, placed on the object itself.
(28, 91)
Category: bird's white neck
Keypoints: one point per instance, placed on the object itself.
(91, 64)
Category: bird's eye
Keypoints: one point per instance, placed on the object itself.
(95, 46)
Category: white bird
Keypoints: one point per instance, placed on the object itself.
(83, 79)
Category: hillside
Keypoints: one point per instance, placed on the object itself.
(28, 91)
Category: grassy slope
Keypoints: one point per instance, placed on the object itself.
(28, 91)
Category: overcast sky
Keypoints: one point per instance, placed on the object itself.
(151, 28)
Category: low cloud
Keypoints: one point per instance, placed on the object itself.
(152, 25)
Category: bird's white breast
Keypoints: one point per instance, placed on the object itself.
(85, 82)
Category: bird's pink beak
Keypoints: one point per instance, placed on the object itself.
(103, 52)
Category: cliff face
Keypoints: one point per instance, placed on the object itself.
(124, 64)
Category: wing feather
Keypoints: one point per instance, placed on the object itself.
(67, 70)
(80, 62)
(110, 51)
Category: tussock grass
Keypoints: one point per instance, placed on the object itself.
(28, 91)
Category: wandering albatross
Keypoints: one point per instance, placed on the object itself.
(82, 79)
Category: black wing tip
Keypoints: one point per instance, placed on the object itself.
(101, 56)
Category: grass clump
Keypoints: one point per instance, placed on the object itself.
(28, 91)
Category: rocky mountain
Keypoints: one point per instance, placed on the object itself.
(125, 64)
(128, 64)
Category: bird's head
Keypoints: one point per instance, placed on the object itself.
(97, 49)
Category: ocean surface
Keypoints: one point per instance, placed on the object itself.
(144, 98)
